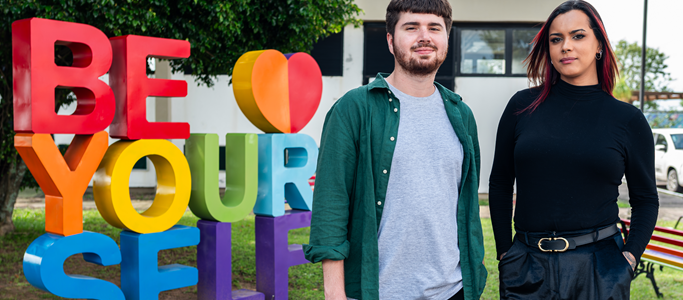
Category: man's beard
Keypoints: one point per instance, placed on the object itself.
(417, 66)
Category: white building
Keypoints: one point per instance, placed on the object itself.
(489, 40)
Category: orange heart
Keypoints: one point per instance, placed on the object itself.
(277, 93)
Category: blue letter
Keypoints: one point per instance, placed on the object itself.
(283, 177)
(44, 265)
(141, 276)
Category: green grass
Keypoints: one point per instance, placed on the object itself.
(623, 204)
(305, 280)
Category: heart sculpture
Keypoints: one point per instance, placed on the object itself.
(277, 93)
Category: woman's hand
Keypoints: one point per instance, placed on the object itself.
(503, 255)
(631, 259)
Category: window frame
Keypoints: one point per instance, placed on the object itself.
(507, 27)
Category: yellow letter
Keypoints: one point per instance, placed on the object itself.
(112, 193)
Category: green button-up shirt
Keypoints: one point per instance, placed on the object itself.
(354, 164)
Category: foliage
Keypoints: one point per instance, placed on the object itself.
(657, 79)
(621, 90)
(665, 119)
(219, 33)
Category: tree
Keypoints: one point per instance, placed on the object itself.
(219, 31)
(657, 79)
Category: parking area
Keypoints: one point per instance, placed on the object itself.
(670, 203)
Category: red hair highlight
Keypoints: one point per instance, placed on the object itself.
(541, 72)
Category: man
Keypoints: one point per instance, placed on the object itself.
(395, 208)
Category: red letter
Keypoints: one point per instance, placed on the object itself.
(131, 86)
(36, 76)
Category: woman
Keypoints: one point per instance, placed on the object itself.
(567, 143)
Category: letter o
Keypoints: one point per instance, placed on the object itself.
(112, 192)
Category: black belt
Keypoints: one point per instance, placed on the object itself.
(562, 244)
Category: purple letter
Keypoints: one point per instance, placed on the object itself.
(214, 261)
(274, 255)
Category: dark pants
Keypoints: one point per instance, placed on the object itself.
(459, 295)
(594, 271)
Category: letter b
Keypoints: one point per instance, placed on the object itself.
(36, 76)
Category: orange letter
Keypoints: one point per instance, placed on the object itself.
(63, 179)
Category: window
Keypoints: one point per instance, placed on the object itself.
(141, 164)
(493, 49)
(221, 158)
(329, 54)
(678, 141)
(377, 57)
(660, 140)
(521, 47)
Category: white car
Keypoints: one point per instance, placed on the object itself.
(669, 157)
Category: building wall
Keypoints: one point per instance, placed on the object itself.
(477, 11)
(487, 97)
(214, 110)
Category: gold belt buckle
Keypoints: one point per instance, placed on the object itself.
(566, 244)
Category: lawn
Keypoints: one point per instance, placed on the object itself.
(305, 280)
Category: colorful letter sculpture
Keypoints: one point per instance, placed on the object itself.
(277, 93)
(241, 177)
(128, 79)
(141, 277)
(214, 262)
(111, 190)
(64, 180)
(44, 265)
(274, 255)
(279, 179)
(36, 76)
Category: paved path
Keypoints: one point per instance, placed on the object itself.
(666, 199)
(671, 204)
(39, 203)
(665, 213)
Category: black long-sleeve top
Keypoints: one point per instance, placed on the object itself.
(568, 158)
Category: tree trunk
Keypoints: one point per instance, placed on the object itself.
(10, 183)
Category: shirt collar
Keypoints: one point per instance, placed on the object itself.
(381, 83)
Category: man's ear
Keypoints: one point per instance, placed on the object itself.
(390, 42)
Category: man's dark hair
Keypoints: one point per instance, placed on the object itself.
(440, 8)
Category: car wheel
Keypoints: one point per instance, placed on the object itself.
(672, 182)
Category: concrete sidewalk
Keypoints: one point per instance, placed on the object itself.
(671, 204)
(665, 213)
(39, 203)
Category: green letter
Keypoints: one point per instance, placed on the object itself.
(241, 176)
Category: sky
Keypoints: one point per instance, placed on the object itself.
(623, 19)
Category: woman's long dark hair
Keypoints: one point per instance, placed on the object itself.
(543, 75)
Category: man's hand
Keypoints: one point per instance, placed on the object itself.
(631, 259)
(333, 278)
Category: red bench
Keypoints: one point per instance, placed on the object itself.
(657, 254)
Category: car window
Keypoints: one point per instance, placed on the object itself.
(660, 140)
(678, 140)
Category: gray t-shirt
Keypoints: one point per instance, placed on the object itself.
(419, 256)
